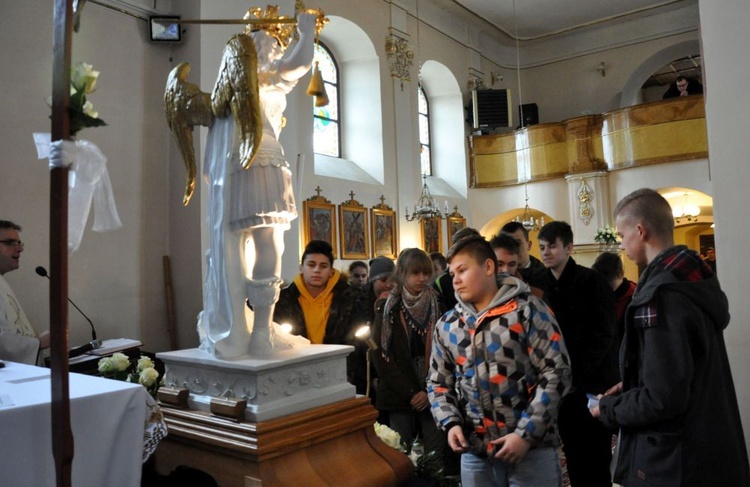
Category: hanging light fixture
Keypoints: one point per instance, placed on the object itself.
(426, 206)
(527, 219)
(687, 211)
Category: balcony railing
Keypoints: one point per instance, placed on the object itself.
(652, 133)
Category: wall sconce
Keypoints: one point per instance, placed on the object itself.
(495, 77)
(602, 69)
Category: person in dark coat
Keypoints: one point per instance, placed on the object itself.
(528, 265)
(609, 265)
(584, 307)
(403, 327)
(683, 87)
(676, 406)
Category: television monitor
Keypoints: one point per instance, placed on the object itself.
(164, 28)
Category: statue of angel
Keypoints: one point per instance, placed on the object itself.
(251, 202)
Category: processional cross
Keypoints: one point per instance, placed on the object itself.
(62, 436)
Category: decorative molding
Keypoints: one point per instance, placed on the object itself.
(400, 57)
(585, 208)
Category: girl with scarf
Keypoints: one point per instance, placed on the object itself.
(402, 330)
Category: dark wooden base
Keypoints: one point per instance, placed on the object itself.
(334, 444)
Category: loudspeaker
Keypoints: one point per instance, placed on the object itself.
(528, 114)
(490, 109)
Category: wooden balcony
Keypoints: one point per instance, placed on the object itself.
(652, 133)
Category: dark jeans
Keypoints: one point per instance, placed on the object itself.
(586, 442)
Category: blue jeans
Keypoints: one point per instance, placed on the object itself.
(540, 467)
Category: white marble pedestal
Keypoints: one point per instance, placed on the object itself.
(274, 385)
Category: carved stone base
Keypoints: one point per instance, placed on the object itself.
(275, 385)
(334, 444)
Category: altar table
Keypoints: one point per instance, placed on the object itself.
(107, 419)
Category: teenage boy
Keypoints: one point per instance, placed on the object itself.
(321, 306)
(676, 406)
(507, 251)
(498, 370)
(528, 265)
(584, 307)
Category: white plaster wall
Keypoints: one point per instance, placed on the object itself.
(726, 39)
(574, 87)
(115, 277)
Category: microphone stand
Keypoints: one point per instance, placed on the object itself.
(94, 343)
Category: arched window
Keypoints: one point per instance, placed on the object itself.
(326, 127)
(425, 157)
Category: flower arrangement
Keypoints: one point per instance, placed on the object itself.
(427, 465)
(606, 235)
(118, 366)
(81, 111)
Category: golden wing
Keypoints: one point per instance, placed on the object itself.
(185, 106)
(236, 91)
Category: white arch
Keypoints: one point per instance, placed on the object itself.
(447, 139)
(631, 90)
(360, 116)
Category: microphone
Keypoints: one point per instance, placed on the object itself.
(43, 272)
(92, 345)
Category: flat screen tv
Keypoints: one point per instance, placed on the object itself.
(164, 29)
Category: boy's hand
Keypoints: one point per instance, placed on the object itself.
(614, 390)
(456, 439)
(420, 401)
(512, 448)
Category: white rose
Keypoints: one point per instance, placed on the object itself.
(83, 78)
(88, 109)
(120, 362)
(145, 363)
(148, 377)
(104, 365)
(388, 436)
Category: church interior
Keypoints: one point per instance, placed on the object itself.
(584, 125)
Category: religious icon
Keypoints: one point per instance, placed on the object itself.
(319, 220)
(432, 234)
(354, 226)
(384, 232)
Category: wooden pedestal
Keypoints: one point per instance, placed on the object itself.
(334, 444)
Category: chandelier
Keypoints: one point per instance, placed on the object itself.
(426, 206)
(527, 219)
(687, 211)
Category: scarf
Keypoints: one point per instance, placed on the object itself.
(420, 313)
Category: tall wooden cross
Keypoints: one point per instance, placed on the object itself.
(62, 436)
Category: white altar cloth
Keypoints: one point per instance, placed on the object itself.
(107, 419)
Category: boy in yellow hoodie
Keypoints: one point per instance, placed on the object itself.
(319, 304)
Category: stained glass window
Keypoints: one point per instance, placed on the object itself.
(326, 127)
(425, 158)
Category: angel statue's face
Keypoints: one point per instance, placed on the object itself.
(268, 48)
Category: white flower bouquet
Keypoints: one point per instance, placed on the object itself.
(606, 235)
(118, 366)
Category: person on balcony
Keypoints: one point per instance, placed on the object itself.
(683, 87)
